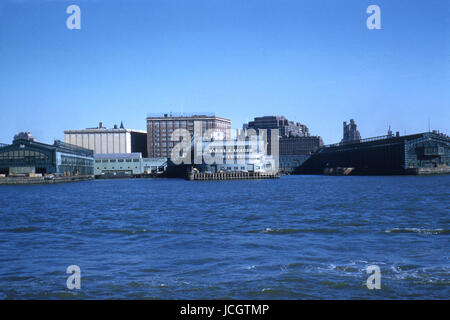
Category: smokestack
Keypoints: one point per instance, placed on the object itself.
(100, 125)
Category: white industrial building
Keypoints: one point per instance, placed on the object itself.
(127, 164)
(107, 141)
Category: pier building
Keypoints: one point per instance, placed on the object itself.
(25, 157)
(422, 153)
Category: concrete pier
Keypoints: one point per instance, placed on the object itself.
(231, 176)
(42, 180)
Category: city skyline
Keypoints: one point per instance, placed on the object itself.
(314, 63)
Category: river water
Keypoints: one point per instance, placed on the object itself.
(298, 237)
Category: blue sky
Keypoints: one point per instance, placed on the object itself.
(314, 62)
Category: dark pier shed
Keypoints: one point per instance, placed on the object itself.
(423, 153)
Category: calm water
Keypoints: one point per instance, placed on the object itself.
(295, 238)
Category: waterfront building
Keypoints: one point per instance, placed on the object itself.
(236, 155)
(120, 164)
(109, 141)
(161, 126)
(232, 155)
(127, 164)
(288, 163)
(228, 156)
(153, 165)
(296, 150)
(299, 145)
(420, 153)
(351, 132)
(25, 156)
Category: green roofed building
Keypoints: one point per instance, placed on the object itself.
(25, 156)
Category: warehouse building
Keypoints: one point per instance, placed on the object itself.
(127, 165)
(422, 153)
(112, 141)
(296, 150)
(25, 156)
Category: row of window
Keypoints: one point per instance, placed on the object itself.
(163, 144)
(182, 123)
(116, 160)
(23, 155)
(81, 170)
(98, 168)
(72, 161)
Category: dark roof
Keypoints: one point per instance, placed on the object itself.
(386, 139)
(57, 146)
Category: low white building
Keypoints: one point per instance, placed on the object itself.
(235, 155)
(127, 164)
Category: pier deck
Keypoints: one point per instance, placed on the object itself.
(231, 176)
(42, 180)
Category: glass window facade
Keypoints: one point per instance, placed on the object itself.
(33, 157)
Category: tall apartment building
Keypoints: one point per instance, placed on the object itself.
(286, 128)
(351, 132)
(106, 141)
(160, 129)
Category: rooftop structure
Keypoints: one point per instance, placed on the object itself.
(351, 132)
(24, 136)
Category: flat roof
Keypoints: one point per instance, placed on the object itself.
(388, 139)
(103, 130)
(185, 116)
